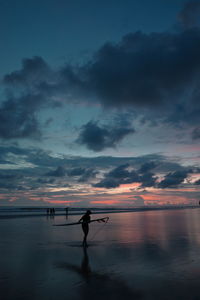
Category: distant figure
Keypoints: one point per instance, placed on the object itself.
(48, 213)
(66, 211)
(85, 220)
(52, 213)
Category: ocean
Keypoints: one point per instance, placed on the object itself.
(142, 254)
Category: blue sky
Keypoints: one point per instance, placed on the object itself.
(99, 100)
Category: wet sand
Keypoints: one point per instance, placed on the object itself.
(136, 255)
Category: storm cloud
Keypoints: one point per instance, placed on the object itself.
(196, 133)
(24, 98)
(18, 119)
(59, 172)
(189, 15)
(153, 73)
(98, 138)
(33, 72)
(120, 175)
(197, 182)
(173, 179)
(147, 167)
(156, 74)
(34, 174)
(84, 174)
(123, 175)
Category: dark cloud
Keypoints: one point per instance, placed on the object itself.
(173, 179)
(117, 176)
(18, 119)
(84, 174)
(196, 133)
(44, 160)
(46, 180)
(197, 182)
(119, 172)
(189, 15)
(49, 171)
(166, 166)
(11, 180)
(8, 185)
(59, 172)
(76, 172)
(34, 71)
(147, 167)
(88, 175)
(107, 183)
(98, 138)
(156, 74)
(36, 77)
(122, 175)
(111, 181)
(150, 72)
(8, 176)
(148, 180)
(24, 98)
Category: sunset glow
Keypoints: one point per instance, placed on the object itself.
(97, 114)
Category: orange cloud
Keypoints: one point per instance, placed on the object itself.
(165, 199)
(63, 201)
(109, 202)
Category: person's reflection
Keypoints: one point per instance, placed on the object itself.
(108, 285)
(85, 266)
(84, 270)
(52, 216)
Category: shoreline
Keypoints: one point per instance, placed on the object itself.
(79, 211)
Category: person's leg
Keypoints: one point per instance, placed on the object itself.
(85, 230)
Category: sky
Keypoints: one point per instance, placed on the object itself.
(99, 103)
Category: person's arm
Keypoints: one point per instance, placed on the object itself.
(80, 219)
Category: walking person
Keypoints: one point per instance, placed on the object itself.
(66, 212)
(85, 220)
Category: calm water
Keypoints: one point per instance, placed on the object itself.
(136, 255)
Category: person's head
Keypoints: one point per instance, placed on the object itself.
(88, 212)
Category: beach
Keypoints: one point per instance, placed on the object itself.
(136, 255)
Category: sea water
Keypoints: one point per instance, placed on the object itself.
(136, 255)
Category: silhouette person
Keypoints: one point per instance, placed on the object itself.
(85, 220)
(66, 212)
(52, 213)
